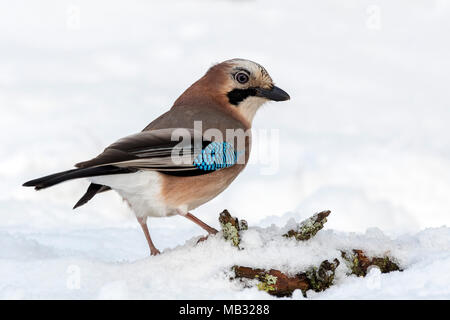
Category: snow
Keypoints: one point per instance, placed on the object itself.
(107, 264)
(365, 135)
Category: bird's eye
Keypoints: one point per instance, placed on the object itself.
(241, 77)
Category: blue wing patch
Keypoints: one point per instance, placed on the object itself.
(215, 156)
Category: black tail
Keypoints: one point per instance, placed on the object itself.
(59, 177)
(90, 193)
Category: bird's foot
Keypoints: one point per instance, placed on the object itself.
(211, 231)
(154, 252)
(202, 239)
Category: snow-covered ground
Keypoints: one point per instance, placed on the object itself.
(365, 135)
(111, 264)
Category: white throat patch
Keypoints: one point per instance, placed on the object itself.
(249, 106)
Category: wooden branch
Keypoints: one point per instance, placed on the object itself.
(319, 278)
(309, 227)
(280, 284)
(359, 263)
(322, 278)
(231, 227)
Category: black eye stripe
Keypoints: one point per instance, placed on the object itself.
(235, 96)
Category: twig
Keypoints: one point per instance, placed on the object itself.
(319, 278)
(309, 227)
(231, 227)
(359, 263)
(280, 284)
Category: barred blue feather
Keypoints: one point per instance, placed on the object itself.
(215, 156)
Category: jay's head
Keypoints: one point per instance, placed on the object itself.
(239, 84)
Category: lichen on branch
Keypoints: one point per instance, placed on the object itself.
(231, 227)
(309, 227)
(359, 263)
(318, 279)
(280, 284)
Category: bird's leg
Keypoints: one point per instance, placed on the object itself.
(199, 222)
(143, 222)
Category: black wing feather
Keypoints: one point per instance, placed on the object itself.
(150, 150)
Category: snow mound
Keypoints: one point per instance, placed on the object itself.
(47, 265)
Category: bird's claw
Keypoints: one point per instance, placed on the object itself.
(202, 239)
(155, 252)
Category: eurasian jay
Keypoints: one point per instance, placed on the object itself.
(157, 174)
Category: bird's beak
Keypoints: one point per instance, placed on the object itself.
(274, 94)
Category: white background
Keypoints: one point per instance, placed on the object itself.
(365, 133)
